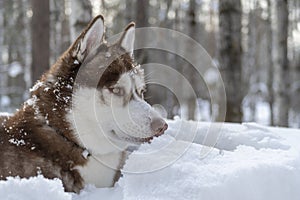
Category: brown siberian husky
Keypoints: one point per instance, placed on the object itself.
(80, 131)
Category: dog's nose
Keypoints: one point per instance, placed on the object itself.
(158, 126)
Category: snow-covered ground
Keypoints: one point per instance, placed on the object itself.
(248, 161)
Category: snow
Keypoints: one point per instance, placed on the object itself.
(5, 101)
(15, 69)
(16, 141)
(261, 111)
(211, 76)
(5, 114)
(76, 62)
(31, 101)
(248, 161)
(203, 112)
(35, 188)
(36, 86)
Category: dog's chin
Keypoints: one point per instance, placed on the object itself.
(135, 140)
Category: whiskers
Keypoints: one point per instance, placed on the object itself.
(147, 77)
(148, 81)
(147, 97)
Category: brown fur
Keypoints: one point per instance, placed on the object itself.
(38, 138)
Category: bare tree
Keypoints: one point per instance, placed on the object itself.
(281, 63)
(1, 29)
(3, 76)
(230, 52)
(130, 10)
(270, 61)
(192, 33)
(141, 18)
(40, 32)
(80, 16)
(57, 24)
(142, 13)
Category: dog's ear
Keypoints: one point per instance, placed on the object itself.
(127, 39)
(89, 39)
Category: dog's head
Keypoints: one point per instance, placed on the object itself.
(110, 87)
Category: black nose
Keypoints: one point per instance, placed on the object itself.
(158, 126)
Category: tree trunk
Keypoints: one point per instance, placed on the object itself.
(250, 76)
(129, 10)
(141, 19)
(1, 31)
(192, 33)
(230, 53)
(40, 32)
(2, 74)
(142, 13)
(270, 63)
(80, 16)
(281, 63)
(65, 32)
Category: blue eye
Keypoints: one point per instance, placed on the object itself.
(117, 91)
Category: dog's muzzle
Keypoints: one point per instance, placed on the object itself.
(158, 126)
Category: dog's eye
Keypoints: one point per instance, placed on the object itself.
(117, 91)
(141, 92)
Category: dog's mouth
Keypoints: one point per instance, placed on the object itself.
(161, 130)
(140, 140)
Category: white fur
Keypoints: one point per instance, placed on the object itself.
(99, 170)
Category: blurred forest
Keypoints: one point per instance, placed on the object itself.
(255, 43)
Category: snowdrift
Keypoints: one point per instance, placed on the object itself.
(247, 161)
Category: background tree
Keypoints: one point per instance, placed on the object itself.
(141, 20)
(269, 58)
(81, 14)
(281, 63)
(40, 33)
(230, 52)
(1, 29)
(59, 29)
(192, 33)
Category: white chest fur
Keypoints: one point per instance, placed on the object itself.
(102, 171)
